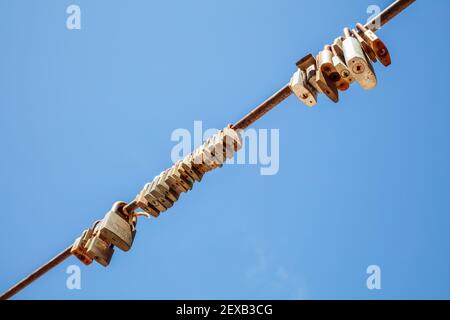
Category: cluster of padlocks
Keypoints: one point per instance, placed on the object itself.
(165, 189)
(118, 227)
(337, 66)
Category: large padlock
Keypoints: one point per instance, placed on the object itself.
(79, 247)
(116, 229)
(368, 80)
(100, 250)
(367, 49)
(302, 89)
(355, 58)
(325, 64)
(381, 51)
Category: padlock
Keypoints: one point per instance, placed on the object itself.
(197, 161)
(173, 183)
(340, 66)
(79, 247)
(381, 51)
(325, 64)
(152, 199)
(311, 73)
(301, 88)
(370, 79)
(115, 228)
(327, 86)
(100, 250)
(337, 48)
(180, 179)
(232, 138)
(183, 173)
(215, 147)
(355, 58)
(144, 204)
(187, 166)
(365, 46)
(163, 187)
(154, 191)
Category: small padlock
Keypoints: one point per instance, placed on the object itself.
(381, 51)
(180, 179)
(367, 49)
(115, 228)
(173, 183)
(163, 187)
(355, 58)
(160, 196)
(325, 64)
(232, 138)
(340, 66)
(301, 88)
(79, 247)
(327, 86)
(144, 204)
(100, 250)
(187, 164)
(337, 48)
(152, 199)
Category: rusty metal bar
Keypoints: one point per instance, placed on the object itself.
(388, 14)
(263, 108)
(36, 274)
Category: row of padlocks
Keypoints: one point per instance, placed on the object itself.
(118, 227)
(337, 66)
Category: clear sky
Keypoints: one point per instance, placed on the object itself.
(86, 118)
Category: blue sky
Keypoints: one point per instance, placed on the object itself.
(86, 118)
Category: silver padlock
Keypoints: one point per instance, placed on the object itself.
(378, 46)
(115, 229)
(355, 58)
(100, 250)
(302, 89)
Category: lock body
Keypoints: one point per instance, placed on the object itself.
(369, 81)
(325, 64)
(302, 89)
(354, 58)
(79, 247)
(114, 229)
(341, 67)
(100, 250)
